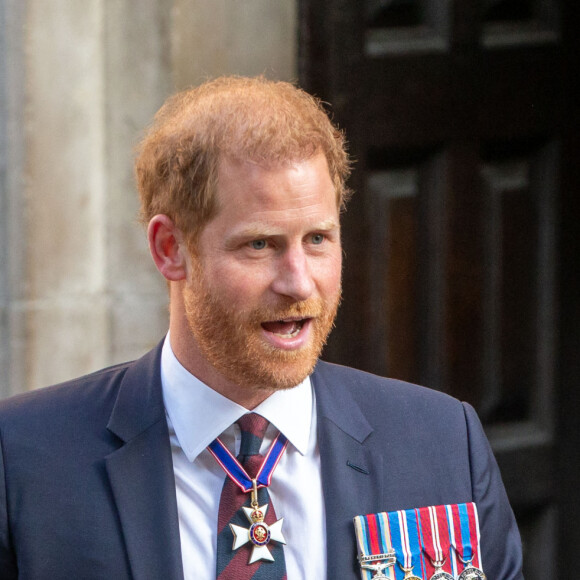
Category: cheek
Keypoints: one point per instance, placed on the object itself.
(330, 276)
(238, 286)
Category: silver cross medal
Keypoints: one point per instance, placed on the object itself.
(259, 532)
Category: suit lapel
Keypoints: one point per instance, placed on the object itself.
(141, 474)
(351, 474)
(143, 486)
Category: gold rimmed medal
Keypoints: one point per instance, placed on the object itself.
(409, 574)
(259, 533)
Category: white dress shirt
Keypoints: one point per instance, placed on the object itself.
(196, 415)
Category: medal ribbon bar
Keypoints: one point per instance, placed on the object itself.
(436, 533)
(466, 541)
(432, 542)
(376, 554)
(406, 540)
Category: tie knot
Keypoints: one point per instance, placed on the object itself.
(253, 428)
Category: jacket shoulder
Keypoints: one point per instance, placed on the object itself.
(65, 400)
(370, 390)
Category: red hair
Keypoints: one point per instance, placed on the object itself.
(250, 119)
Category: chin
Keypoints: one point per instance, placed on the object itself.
(280, 379)
(271, 371)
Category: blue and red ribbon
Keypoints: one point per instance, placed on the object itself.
(238, 474)
(420, 537)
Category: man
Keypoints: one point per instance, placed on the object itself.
(122, 474)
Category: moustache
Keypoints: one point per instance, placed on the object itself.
(312, 308)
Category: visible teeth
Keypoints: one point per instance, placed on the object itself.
(297, 327)
(284, 328)
(291, 335)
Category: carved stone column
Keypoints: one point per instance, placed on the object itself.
(78, 83)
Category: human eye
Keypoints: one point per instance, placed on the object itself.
(317, 239)
(258, 244)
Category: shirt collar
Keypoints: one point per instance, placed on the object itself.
(199, 414)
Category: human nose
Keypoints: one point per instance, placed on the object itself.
(293, 275)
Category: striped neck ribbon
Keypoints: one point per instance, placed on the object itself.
(238, 474)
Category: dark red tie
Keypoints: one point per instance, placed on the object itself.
(233, 565)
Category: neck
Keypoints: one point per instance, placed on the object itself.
(187, 352)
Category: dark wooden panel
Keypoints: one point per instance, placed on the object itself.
(518, 306)
(568, 339)
(520, 281)
(465, 275)
(519, 92)
(527, 461)
(402, 300)
(473, 100)
(519, 22)
(406, 220)
(410, 103)
(528, 471)
(394, 271)
(406, 26)
(511, 304)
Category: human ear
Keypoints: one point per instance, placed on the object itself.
(167, 248)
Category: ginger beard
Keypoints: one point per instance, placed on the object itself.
(233, 342)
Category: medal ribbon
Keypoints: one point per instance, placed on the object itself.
(466, 528)
(406, 541)
(238, 474)
(421, 537)
(373, 536)
(436, 536)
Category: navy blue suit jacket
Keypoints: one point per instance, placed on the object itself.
(87, 488)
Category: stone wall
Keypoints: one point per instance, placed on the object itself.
(78, 83)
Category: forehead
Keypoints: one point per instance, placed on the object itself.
(281, 188)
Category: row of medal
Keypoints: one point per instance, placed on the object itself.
(429, 543)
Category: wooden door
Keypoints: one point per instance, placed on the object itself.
(460, 120)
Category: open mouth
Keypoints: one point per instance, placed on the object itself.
(287, 328)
